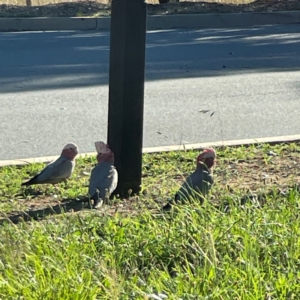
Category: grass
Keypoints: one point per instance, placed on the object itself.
(130, 251)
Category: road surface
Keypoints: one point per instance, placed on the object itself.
(54, 87)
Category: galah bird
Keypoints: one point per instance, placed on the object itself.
(104, 176)
(58, 170)
(198, 184)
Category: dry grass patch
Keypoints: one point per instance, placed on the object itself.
(56, 8)
(45, 2)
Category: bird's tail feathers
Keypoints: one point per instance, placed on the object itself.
(30, 182)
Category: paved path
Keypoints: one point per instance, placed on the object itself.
(53, 87)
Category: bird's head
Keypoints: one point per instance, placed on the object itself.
(70, 151)
(104, 153)
(206, 158)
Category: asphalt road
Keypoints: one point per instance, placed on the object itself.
(54, 87)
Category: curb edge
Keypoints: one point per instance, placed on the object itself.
(229, 143)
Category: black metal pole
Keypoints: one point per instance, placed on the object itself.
(126, 91)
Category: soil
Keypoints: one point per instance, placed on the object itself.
(93, 8)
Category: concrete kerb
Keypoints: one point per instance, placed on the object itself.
(244, 142)
(224, 20)
(103, 23)
(47, 24)
(154, 22)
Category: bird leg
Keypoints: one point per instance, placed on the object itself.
(97, 201)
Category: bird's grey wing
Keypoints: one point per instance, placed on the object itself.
(104, 179)
(97, 175)
(114, 180)
(184, 192)
(202, 181)
(207, 182)
(57, 171)
(196, 185)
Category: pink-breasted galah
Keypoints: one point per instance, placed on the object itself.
(198, 184)
(59, 170)
(104, 176)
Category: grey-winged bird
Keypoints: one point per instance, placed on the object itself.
(58, 170)
(104, 176)
(198, 184)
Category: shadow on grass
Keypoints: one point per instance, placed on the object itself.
(68, 205)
